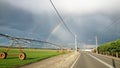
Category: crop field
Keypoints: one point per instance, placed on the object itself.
(32, 55)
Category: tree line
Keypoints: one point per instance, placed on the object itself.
(110, 48)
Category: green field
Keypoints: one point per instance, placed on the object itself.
(33, 55)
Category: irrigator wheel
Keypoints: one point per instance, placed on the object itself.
(3, 55)
(22, 56)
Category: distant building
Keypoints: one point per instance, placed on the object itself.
(87, 50)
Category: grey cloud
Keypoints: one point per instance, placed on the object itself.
(40, 24)
(87, 26)
(15, 18)
(18, 20)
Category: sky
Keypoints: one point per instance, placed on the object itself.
(37, 19)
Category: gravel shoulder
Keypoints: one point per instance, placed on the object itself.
(61, 61)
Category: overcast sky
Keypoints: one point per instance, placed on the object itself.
(37, 19)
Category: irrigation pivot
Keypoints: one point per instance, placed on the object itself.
(16, 42)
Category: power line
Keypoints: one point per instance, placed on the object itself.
(114, 21)
(107, 28)
(61, 18)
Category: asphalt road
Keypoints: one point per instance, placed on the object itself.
(90, 60)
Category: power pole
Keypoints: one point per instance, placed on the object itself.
(75, 42)
(96, 43)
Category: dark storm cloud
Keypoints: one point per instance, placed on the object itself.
(87, 26)
(15, 18)
(84, 18)
(16, 21)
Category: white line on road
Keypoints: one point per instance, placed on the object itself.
(75, 61)
(108, 65)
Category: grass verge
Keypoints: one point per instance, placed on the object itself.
(33, 55)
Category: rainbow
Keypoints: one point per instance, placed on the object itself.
(54, 30)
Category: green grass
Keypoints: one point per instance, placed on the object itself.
(33, 55)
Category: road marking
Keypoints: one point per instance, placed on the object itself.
(108, 65)
(108, 57)
(75, 61)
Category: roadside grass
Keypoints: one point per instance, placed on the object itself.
(33, 55)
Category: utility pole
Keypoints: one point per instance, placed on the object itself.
(75, 42)
(96, 43)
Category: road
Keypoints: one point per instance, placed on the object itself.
(90, 60)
